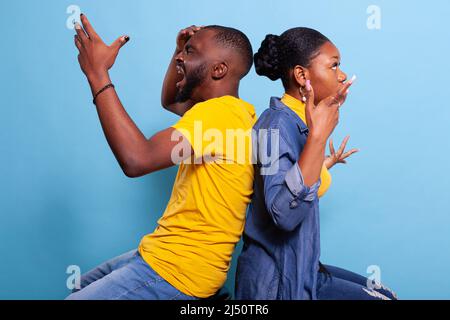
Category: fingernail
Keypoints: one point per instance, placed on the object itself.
(81, 14)
(126, 38)
(308, 85)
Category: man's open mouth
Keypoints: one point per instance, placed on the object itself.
(181, 76)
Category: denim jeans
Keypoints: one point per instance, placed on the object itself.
(127, 277)
(340, 284)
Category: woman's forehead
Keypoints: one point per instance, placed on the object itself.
(327, 51)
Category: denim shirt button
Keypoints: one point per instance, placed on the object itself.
(293, 204)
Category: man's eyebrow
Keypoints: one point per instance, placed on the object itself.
(189, 46)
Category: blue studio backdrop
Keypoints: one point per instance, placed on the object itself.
(64, 200)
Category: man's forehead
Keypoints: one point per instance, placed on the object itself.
(201, 38)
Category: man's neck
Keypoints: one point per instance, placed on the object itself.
(217, 92)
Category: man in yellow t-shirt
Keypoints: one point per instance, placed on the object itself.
(192, 246)
(189, 253)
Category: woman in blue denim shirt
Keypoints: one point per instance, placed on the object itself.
(280, 257)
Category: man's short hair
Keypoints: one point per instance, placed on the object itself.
(236, 40)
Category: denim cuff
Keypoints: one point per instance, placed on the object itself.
(295, 182)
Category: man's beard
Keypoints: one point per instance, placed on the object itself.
(193, 80)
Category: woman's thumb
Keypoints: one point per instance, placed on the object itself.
(309, 95)
(309, 103)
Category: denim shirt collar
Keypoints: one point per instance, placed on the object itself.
(276, 104)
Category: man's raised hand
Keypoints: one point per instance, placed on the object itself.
(95, 57)
(184, 35)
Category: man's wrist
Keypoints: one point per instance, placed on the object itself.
(98, 81)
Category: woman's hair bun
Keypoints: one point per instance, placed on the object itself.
(267, 59)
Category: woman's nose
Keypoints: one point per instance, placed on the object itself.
(342, 77)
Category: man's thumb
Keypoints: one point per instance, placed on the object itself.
(120, 42)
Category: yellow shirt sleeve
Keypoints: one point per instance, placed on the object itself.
(219, 130)
(187, 127)
(202, 125)
(325, 178)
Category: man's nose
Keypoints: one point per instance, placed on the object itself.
(179, 57)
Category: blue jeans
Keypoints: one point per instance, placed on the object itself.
(127, 277)
(340, 284)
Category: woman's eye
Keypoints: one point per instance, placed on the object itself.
(335, 66)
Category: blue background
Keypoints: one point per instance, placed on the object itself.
(65, 201)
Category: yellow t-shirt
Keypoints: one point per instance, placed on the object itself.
(299, 108)
(192, 246)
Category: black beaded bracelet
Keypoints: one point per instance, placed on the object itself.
(109, 85)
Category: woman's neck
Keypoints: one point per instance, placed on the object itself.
(295, 94)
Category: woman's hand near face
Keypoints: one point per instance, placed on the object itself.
(340, 155)
(324, 117)
(321, 119)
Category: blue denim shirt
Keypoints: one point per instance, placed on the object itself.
(280, 257)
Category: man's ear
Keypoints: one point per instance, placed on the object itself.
(301, 74)
(219, 70)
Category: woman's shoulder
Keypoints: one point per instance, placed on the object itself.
(278, 116)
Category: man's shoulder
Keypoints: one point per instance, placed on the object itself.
(224, 106)
(221, 101)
